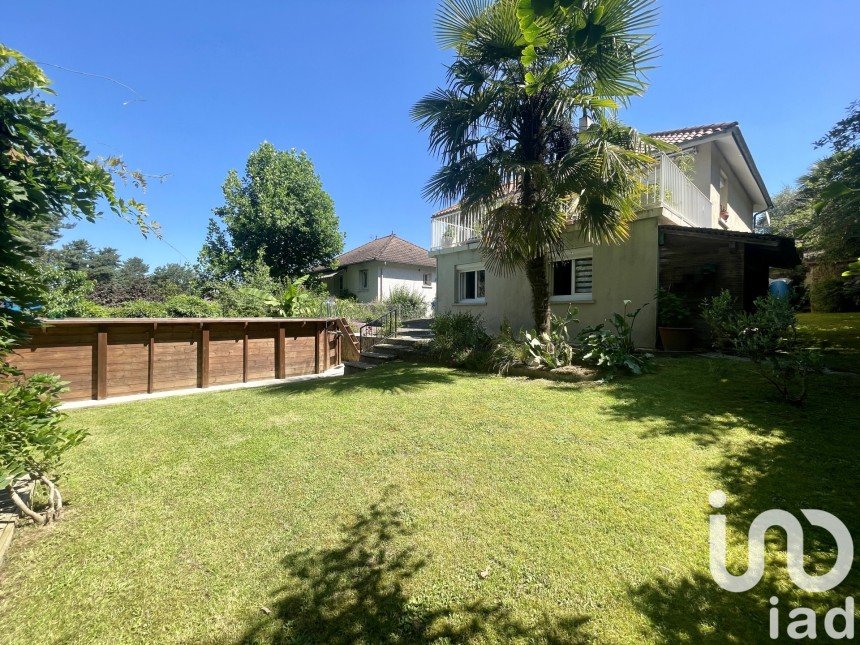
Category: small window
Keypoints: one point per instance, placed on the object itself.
(340, 283)
(471, 285)
(571, 277)
(362, 279)
(428, 280)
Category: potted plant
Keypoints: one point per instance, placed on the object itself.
(448, 237)
(673, 322)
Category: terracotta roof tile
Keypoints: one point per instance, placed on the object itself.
(387, 249)
(687, 135)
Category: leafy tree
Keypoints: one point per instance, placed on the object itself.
(104, 265)
(823, 211)
(503, 126)
(76, 255)
(278, 206)
(175, 279)
(67, 294)
(45, 177)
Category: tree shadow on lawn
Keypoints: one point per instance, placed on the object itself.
(394, 378)
(355, 592)
(796, 459)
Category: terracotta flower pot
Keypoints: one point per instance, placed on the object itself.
(677, 339)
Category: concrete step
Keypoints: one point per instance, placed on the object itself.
(418, 323)
(356, 367)
(377, 357)
(401, 351)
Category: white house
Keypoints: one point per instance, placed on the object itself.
(371, 271)
(693, 235)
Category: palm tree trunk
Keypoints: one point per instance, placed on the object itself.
(539, 282)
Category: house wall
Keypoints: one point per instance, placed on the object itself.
(408, 276)
(627, 271)
(383, 278)
(709, 162)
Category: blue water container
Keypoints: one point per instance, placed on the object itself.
(780, 288)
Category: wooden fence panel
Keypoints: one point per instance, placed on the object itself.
(116, 357)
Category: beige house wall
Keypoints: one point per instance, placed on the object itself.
(382, 278)
(626, 271)
(709, 162)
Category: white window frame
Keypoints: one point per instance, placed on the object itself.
(468, 268)
(363, 276)
(427, 280)
(573, 255)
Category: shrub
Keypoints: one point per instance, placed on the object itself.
(720, 314)
(768, 338)
(460, 338)
(552, 349)
(140, 309)
(509, 351)
(827, 295)
(672, 309)
(409, 304)
(185, 306)
(33, 438)
(613, 350)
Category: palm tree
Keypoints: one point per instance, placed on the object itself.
(504, 125)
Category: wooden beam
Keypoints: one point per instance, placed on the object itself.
(317, 349)
(101, 362)
(281, 352)
(245, 354)
(150, 374)
(203, 357)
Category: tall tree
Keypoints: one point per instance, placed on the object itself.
(823, 211)
(173, 279)
(278, 206)
(45, 176)
(524, 70)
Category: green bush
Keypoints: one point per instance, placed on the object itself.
(33, 438)
(552, 349)
(827, 295)
(672, 309)
(460, 339)
(140, 309)
(613, 350)
(185, 306)
(509, 350)
(409, 304)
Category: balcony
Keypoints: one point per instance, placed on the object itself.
(666, 187)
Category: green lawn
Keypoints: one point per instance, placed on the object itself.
(839, 334)
(415, 503)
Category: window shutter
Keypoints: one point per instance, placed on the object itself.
(582, 275)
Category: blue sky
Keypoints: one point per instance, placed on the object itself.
(337, 79)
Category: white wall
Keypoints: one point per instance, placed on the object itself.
(382, 278)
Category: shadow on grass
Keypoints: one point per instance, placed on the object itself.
(356, 591)
(796, 459)
(395, 378)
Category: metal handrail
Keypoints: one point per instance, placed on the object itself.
(373, 331)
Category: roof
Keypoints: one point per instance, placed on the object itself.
(693, 133)
(387, 249)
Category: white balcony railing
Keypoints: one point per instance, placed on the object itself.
(666, 186)
(453, 229)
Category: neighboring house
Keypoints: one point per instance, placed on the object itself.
(693, 236)
(371, 271)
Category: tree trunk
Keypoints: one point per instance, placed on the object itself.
(539, 282)
(26, 510)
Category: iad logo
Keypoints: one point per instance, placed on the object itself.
(805, 626)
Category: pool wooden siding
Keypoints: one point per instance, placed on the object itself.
(107, 357)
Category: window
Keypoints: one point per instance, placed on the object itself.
(471, 282)
(570, 276)
(428, 280)
(340, 283)
(362, 279)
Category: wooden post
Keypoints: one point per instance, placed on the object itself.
(203, 354)
(338, 344)
(317, 349)
(280, 352)
(150, 375)
(245, 355)
(101, 363)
